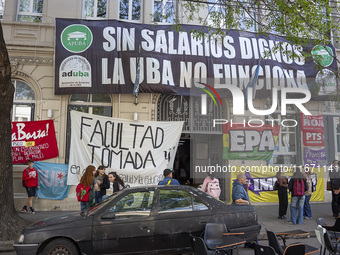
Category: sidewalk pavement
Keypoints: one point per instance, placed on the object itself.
(268, 213)
(267, 217)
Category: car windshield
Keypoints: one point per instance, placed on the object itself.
(93, 210)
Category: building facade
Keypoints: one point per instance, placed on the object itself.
(29, 31)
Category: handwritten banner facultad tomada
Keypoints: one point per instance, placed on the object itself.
(138, 150)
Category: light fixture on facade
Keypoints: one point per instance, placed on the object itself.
(49, 113)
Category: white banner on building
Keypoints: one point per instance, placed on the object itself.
(138, 151)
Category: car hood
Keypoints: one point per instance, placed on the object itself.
(67, 219)
(70, 225)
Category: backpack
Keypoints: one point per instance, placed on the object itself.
(299, 188)
(82, 193)
(24, 182)
(213, 188)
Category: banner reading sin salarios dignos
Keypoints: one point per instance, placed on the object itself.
(100, 56)
(138, 151)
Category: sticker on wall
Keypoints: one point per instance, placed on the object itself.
(322, 55)
(326, 81)
(76, 38)
(75, 71)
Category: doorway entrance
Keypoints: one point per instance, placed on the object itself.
(200, 145)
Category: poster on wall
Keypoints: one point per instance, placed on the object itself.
(310, 122)
(314, 157)
(261, 183)
(313, 138)
(138, 151)
(312, 128)
(249, 143)
(33, 140)
(52, 180)
(100, 56)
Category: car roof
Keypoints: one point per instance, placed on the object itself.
(179, 187)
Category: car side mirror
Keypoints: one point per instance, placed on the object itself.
(109, 216)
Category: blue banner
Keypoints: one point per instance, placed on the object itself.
(52, 180)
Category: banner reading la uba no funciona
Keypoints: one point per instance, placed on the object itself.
(100, 56)
(138, 150)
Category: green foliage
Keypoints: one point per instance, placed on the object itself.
(299, 21)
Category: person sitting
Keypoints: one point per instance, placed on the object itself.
(168, 180)
(239, 193)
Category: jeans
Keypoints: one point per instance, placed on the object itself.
(98, 197)
(307, 211)
(296, 209)
(83, 206)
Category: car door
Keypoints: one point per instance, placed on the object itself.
(125, 226)
(179, 213)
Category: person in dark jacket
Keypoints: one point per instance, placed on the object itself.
(282, 194)
(117, 182)
(297, 201)
(334, 176)
(239, 193)
(102, 182)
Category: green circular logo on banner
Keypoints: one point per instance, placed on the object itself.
(322, 55)
(76, 38)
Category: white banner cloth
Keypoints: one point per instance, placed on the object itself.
(138, 151)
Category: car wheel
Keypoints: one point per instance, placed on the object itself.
(61, 246)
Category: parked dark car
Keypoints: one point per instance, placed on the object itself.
(154, 219)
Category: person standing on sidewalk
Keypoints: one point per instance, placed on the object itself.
(211, 186)
(168, 180)
(103, 183)
(334, 176)
(30, 181)
(239, 192)
(307, 210)
(282, 194)
(297, 186)
(88, 180)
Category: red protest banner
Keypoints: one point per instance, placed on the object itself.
(33, 139)
(313, 138)
(309, 122)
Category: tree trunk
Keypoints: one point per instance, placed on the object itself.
(10, 222)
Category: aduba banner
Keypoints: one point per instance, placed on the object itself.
(100, 56)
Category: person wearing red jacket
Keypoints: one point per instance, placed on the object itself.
(30, 178)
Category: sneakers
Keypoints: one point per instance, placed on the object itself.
(307, 218)
(24, 210)
(281, 217)
(32, 211)
(290, 222)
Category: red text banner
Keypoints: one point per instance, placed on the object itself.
(309, 122)
(313, 138)
(33, 140)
